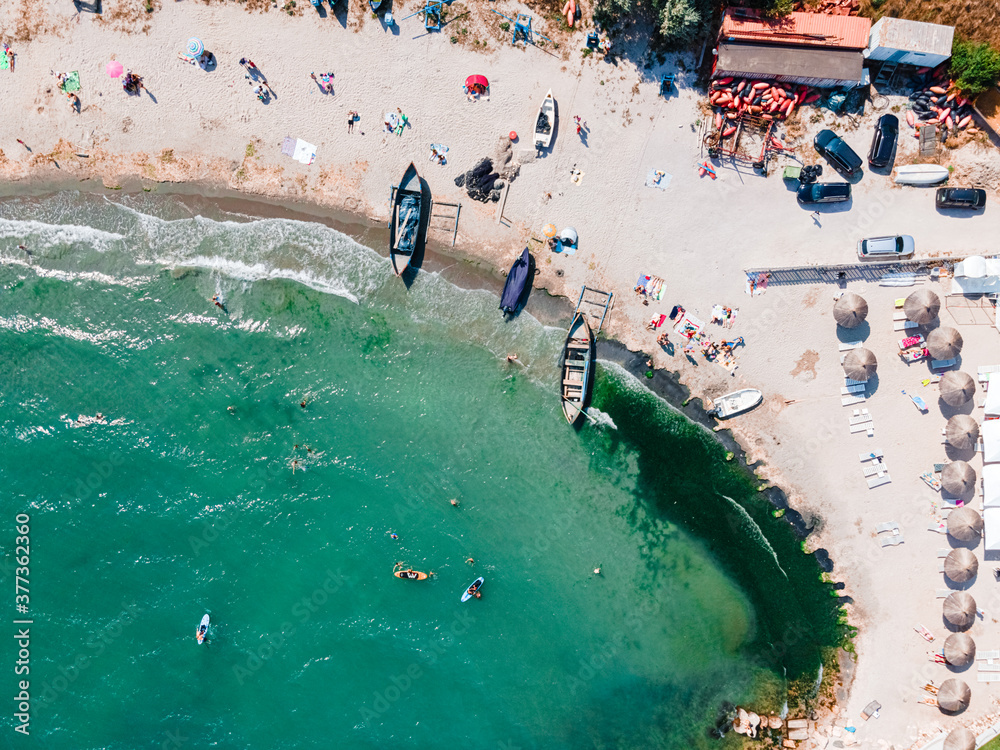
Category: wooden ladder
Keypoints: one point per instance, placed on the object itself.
(448, 221)
(597, 299)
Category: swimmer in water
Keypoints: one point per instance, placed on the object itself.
(454, 502)
(470, 561)
(393, 535)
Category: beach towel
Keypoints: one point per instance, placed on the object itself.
(661, 180)
(642, 282)
(401, 125)
(304, 152)
(561, 248)
(656, 288)
(4, 62)
(72, 82)
(288, 147)
(688, 326)
(657, 322)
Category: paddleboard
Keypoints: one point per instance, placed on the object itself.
(476, 584)
(413, 575)
(921, 174)
(203, 628)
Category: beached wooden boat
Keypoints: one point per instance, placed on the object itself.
(736, 402)
(577, 368)
(921, 174)
(404, 224)
(545, 123)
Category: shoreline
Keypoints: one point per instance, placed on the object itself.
(470, 272)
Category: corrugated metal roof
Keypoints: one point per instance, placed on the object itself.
(800, 29)
(916, 36)
(768, 61)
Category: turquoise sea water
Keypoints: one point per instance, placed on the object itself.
(183, 500)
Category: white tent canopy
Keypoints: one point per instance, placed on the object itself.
(992, 406)
(976, 275)
(991, 518)
(990, 431)
(991, 486)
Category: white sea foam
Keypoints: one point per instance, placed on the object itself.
(37, 234)
(757, 533)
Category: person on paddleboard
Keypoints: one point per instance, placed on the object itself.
(474, 590)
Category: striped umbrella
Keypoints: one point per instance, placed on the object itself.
(195, 46)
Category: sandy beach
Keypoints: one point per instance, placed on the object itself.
(698, 234)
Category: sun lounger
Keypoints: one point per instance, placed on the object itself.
(931, 480)
(986, 370)
(861, 427)
(988, 677)
(878, 481)
(943, 593)
(904, 325)
(924, 633)
(870, 455)
(847, 390)
(989, 667)
(871, 709)
(891, 541)
(944, 552)
(860, 419)
(848, 381)
(911, 341)
(892, 526)
(942, 364)
(941, 566)
(846, 346)
(899, 302)
(984, 655)
(876, 469)
(937, 526)
(898, 315)
(851, 400)
(871, 429)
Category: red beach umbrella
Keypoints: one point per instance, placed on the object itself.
(477, 83)
(114, 69)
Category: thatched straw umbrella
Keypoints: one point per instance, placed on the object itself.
(958, 477)
(922, 306)
(944, 343)
(959, 651)
(860, 364)
(962, 432)
(957, 387)
(953, 696)
(960, 609)
(961, 565)
(850, 310)
(960, 739)
(965, 524)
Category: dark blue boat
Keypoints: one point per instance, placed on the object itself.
(406, 221)
(517, 280)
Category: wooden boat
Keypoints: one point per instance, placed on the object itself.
(577, 368)
(517, 280)
(545, 123)
(736, 402)
(405, 222)
(921, 174)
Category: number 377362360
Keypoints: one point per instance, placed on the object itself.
(22, 556)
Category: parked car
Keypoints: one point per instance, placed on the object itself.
(838, 153)
(823, 192)
(884, 141)
(960, 198)
(883, 248)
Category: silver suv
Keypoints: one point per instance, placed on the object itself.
(899, 246)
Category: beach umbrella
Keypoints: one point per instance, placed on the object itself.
(944, 343)
(549, 230)
(960, 609)
(477, 83)
(953, 696)
(959, 651)
(965, 524)
(960, 565)
(860, 364)
(957, 387)
(922, 306)
(850, 310)
(114, 69)
(958, 477)
(960, 739)
(569, 236)
(962, 432)
(195, 47)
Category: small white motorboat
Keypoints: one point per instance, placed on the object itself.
(545, 124)
(921, 174)
(736, 402)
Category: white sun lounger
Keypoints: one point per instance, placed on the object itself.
(937, 526)
(989, 667)
(944, 552)
(846, 346)
(941, 566)
(988, 677)
(860, 419)
(898, 315)
(904, 325)
(986, 370)
(849, 389)
(984, 655)
(943, 593)
(891, 541)
(875, 453)
(876, 469)
(892, 526)
(852, 400)
(862, 427)
(878, 481)
(848, 381)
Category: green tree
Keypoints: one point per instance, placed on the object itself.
(974, 67)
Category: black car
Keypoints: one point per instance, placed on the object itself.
(838, 153)
(960, 198)
(823, 192)
(884, 141)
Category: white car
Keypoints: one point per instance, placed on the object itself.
(884, 248)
